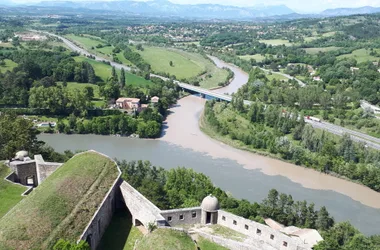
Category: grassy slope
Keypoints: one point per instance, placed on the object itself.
(103, 71)
(276, 42)
(60, 207)
(361, 55)
(120, 234)
(9, 65)
(314, 51)
(257, 57)
(166, 239)
(205, 244)
(183, 66)
(10, 194)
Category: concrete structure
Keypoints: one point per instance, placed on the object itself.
(30, 172)
(210, 207)
(189, 216)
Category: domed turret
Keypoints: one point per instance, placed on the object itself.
(20, 155)
(210, 204)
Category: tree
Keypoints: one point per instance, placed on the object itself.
(324, 221)
(171, 64)
(67, 245)
(122, 78)
(88, 92)
(16, 134)
(114, 74)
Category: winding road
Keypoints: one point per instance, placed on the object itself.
(370, 141)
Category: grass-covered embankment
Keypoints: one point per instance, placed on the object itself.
(10, 194)
(62, 206)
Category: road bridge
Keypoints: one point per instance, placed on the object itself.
(185, 86)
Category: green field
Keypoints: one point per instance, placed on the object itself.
(257, 57)
(10, 194)
(208, 245)
(75, 86)
(9, 65)
(90, 42)
(85, 41)
(61, 206)
(183, 65)
(6, 45)
(276, 76)
(314, 51)
(361, 55)
(120, 234)
(166, 239)
(276, 42)
(103, 71)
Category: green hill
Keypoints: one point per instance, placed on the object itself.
(62, 206)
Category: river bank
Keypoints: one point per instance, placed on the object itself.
(183, 130)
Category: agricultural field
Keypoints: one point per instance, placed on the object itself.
(183, 66)
(61, 206)
(277, 42)
(360, 55)
(257, 57)
(90, 43)
(6, 45)
(75, 86)
(314, 51)
(103, 72)
(9, 65)
(10, 194)
(276, 76)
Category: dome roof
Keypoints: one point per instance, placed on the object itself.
(210, 204)
(20, 155)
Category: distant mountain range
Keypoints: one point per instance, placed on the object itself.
(350, 11)
(165, 8)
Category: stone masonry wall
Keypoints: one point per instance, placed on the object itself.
(102, 218)
(140, 207)
(182, 216)
(25, 170)
(259, 232)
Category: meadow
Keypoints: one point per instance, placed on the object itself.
(314, 51)
(9, 65)
(277, 42)
(183, 66)
(103, 72)
(257, 57)
(360, 55)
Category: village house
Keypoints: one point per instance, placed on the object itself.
(317, 78)
(130, 104)
(154, 99)
(353, 69)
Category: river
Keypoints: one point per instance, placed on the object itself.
(245, 175)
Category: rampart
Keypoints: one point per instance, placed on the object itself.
(259, 232)
(176, 217)
(143, 211)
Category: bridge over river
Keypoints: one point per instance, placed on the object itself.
(219, 94)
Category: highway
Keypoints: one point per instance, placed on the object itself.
(370, 141)
(82, 51)
(302, 84)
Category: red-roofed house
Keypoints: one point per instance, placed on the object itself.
(128, 103)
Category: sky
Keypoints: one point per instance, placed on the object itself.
(301, 6)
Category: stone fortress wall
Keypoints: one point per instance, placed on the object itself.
(177, 217)
(263, 234)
